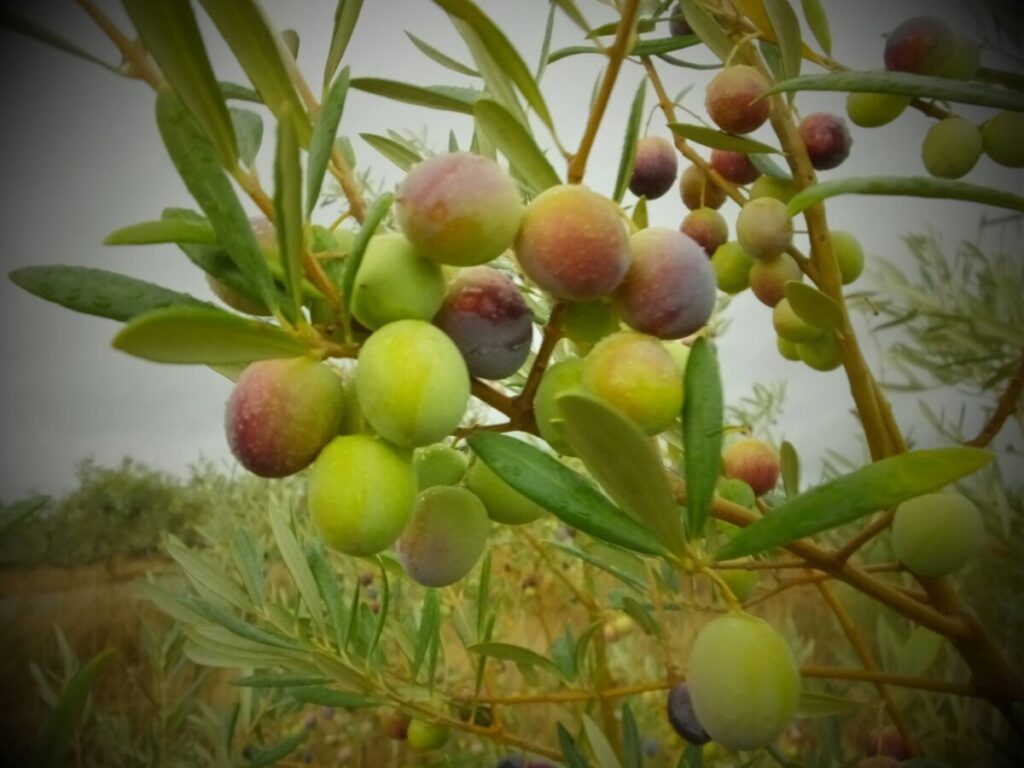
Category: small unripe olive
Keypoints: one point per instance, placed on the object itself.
(936, 534)
(849, 254)
(787, 349)
(707, 228)
(737, 491)
(822, 354)
(426, 737)
(681, 716)
(733, 99)
(281, 413)
(1002, 139)
(561, 377)
(654, 169)
(768, 278)
(633, 373)
(699, 191)
(764, 228)
(459, 208)
(743, 680)
(791, 327)
(754, 462)
(445, 536)
(951, 148)
(922, 45)
(964, 60)
(573, 243)
(779, 189)
(438, 464)
(587, 322)
(732, 267)
(394, 282)
(361, 494)
(504, 503)
(872, 110)
(412, 383)
(741, 582)
(734, 166)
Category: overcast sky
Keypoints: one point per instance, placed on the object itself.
(80, 156)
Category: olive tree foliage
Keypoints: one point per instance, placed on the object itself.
(636, 525)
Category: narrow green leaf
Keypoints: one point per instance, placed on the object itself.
(707, 29)
(326, 697)
(643, 26)
(427, 634)
(498, 86)
(516, 654)
(640, 213)
(453, 143)
(15, 22)
(709, 137)
(786, 26)
(515, 142)
(275, 754)
(441, 58)
(374, 216)
(814, 307)
(249, 561)
(330, 590)
(98, 292)
(545, 48)
(288, 211)
(881, 485)
(656, 47)
(171, 35)
(599, 744)
(913, 186)
(619, 456)
(238, 627)
(642, 616)
(421, 96)
(164, 231)
(817, 20)
(825, 705)
(920, 651)
(292, 555)
(239, 92)
(14, 514)
(703, 412)
(790, 467)
(907, 84)
(285, 680)
(207, 577)
(346, 15)
(483, 595)
(692, 757)
(504, 54)
(52, 749)
(767, 166)
(246, 29)
(398, 154)
(573, 757)
(573, 12)
(191, 335)
(248, 128)
(601, 563)
(195, 160)
(382, 615)
(570, 497)
(322, 143)
(632, 747)
(628, 158)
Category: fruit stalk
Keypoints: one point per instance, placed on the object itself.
(624, 38)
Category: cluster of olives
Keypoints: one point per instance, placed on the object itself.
(926, 45)
(432, 315)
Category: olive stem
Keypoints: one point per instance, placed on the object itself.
(860, 647)
(1006, 407)
(552, 333)
(131, 50)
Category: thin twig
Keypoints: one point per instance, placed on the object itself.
(1005, 408)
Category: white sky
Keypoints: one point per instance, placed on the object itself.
(81, 157)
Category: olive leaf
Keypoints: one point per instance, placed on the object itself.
(515, 142)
